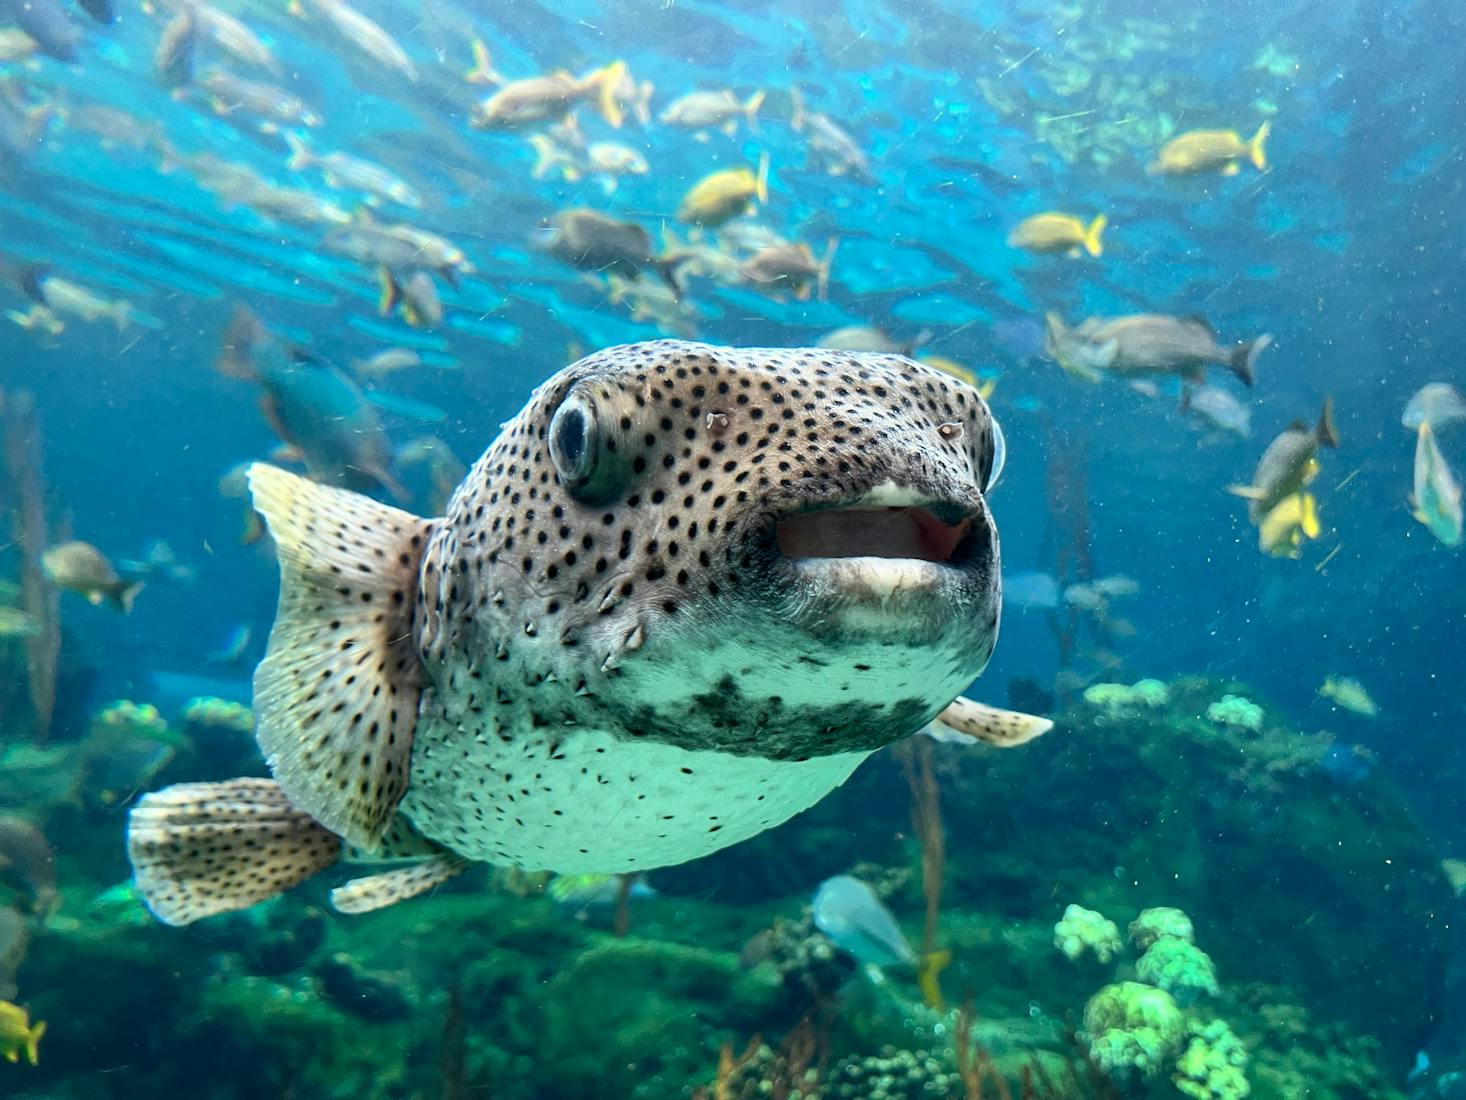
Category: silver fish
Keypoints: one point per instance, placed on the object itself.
(1217, 408)
(1148, 343)
(1438, 404)
(659, 617)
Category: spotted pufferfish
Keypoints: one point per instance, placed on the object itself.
(680, 598)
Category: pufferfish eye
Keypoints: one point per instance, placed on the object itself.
(572, 447)
(999, 456)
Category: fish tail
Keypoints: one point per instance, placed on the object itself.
(968, 721)
(670, 269)
(823, 284)
(1255, 151)
(300, 155)
(1325, 431)
(796, 109)
(483, 71)
(606, 81)
(546, 155)
(123, 594)
(203, 848)
(389, 291)
(33, 1043)
(1092, 243)
(761, 185)
(642, 103)
(751, 106)
(1243, 360)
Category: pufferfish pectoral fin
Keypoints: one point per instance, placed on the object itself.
(965, 721)
(364, 895)
(203, 848)
(336, 696)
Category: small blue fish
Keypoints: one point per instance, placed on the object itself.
(849, 913)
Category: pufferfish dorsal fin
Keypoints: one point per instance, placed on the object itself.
(336, 696)
(965, 721)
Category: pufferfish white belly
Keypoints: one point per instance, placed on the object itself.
(590, 802)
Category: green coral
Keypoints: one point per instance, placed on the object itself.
(1235, 710)
(212, 713)
(1133, 1028)
(1081, 930)
(1214, 1064)
(134, 720)
(1160, 921)
(1143, 693)
(1180, 968)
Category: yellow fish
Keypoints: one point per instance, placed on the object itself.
(1056, 232)
(984, 386)
(1291, 520)
(1349, 694)
(715, 199)
(17, 1036)
(1211, 151)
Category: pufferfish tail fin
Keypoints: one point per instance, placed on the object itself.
(203, 848)
(336, 696)
(966, 721)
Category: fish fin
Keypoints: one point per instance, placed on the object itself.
(1327, 433)
(241, 336)
(33, 1043)
(796, 109)
(365, 895)
(1230, 168)
(1004, 729)
(1202, 320)
(1243, 360)
(1255, 151)
(824, 268)
(1246, 492)
(122, 595)
(1092, 243)
(203, 848)
(336, 696)
(389, 292)
(1308, 516)
(300, 154)
(545, 155)
(729, 128)
(750, 108)
(761, 184)
(407, 407)
(31, 280)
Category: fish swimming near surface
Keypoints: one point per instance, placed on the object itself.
(1438, 404)
(1289, 463)
(1436, 500)
(1211, 151)
(80, 567)
(1053, 232)
(679, 599)
(311, 405)
(1147, 344)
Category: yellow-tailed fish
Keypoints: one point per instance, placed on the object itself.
(723, 195)
(1054, 232)
(1211, 151)
(1289, 522)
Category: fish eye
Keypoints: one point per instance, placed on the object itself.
(571, 447)
(999, 457)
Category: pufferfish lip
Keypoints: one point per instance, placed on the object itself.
(913, 535)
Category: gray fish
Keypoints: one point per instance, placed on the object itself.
(1217, 408)
(591, 241)
(660, 617)
(173, 59)
(1289, 463)
(1148, 343)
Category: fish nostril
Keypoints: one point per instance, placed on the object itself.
(950, 431)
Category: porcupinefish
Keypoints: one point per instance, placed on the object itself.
(685, 592)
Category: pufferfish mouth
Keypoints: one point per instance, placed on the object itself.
(910, 532)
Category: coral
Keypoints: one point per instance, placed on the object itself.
(1160, 921)
(131, 719)
(1235, 710)
(891, 1075)
(1180, 968)
(809, 966)
(209, 713)
(1214, 1064)
(1083, 930)
(1143, 693)
(1133, 1029)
